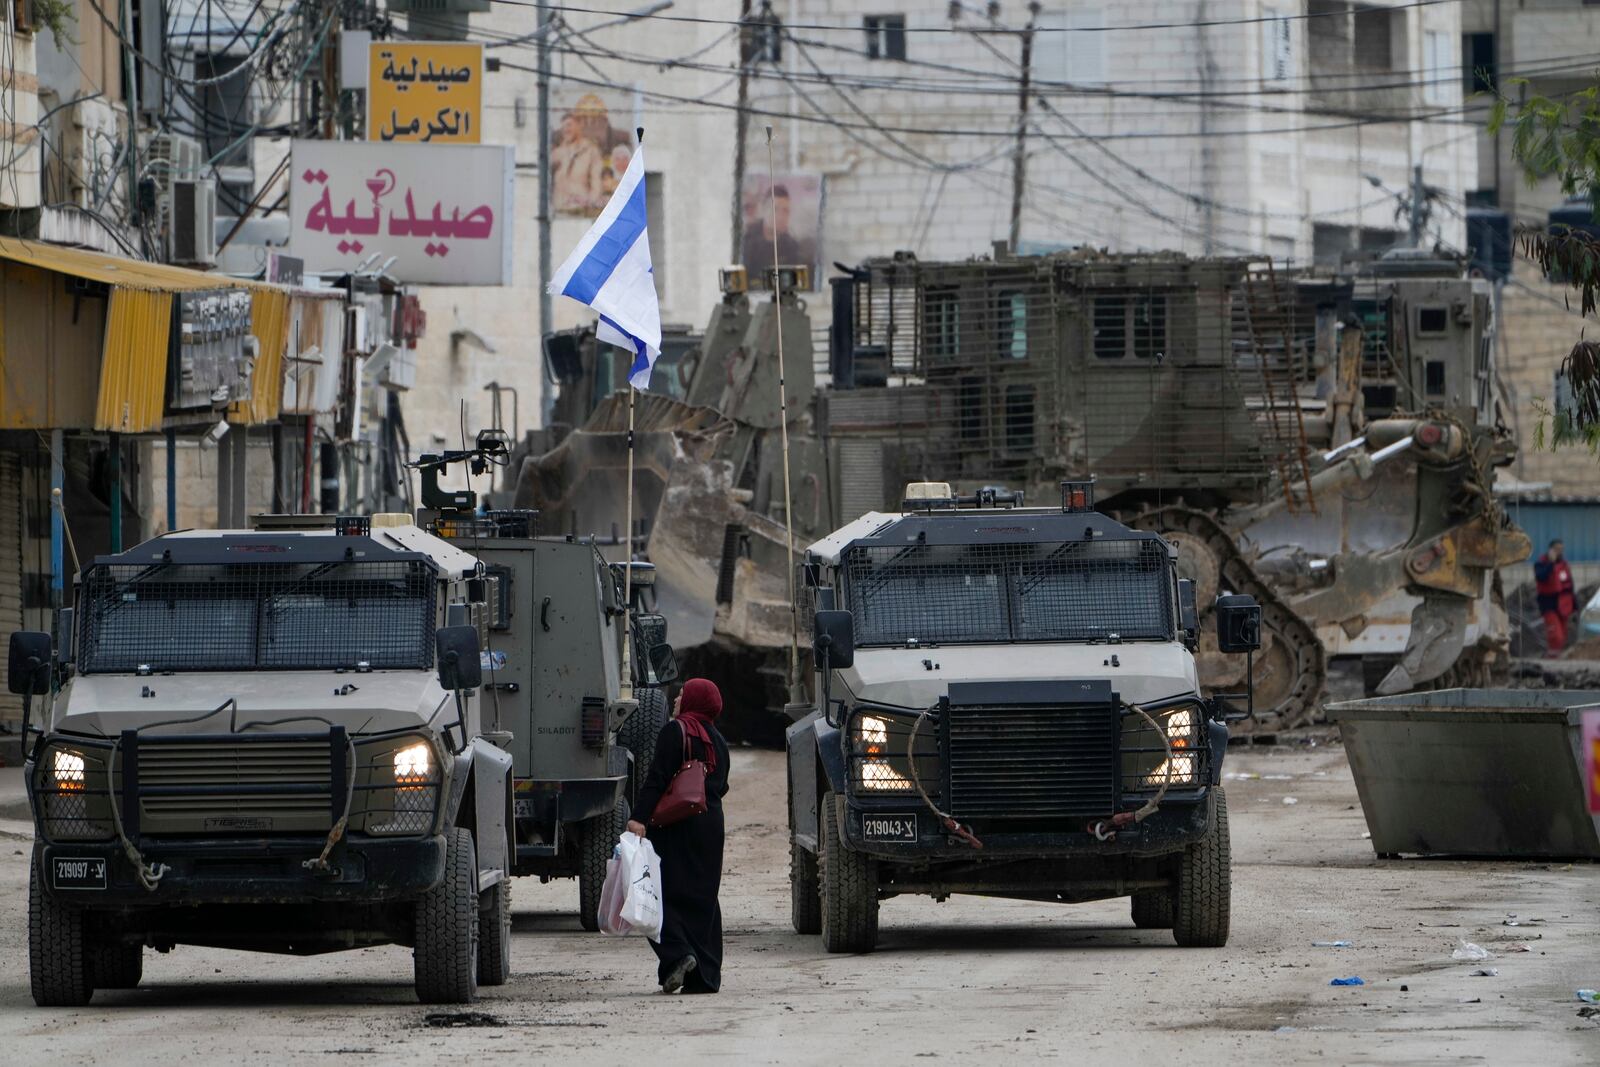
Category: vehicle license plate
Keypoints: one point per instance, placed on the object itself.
(889, 827)
(76, 873)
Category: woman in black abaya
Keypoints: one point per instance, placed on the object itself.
(691, 850)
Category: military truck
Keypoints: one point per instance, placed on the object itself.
(1008, 705)
(552, 662)
(267, 739)
(1326, 444)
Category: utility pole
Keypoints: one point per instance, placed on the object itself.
(1419, 206)
(741, 128)
(542, 102)
(1019, 163)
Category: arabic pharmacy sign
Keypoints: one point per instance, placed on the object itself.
(443, 211)
(424, 91)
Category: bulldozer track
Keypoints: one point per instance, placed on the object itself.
(1302, 702)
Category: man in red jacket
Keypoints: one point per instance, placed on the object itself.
(1557, 598)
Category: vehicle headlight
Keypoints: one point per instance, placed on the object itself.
(67, 770)
(1146, 764)
(412, 764)
(878, 762)
(408, 806)
(70, 788)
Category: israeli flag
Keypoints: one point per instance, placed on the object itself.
(610, 272)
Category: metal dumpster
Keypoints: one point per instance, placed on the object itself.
(1472, 772)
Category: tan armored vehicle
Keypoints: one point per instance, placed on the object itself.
(267, 739)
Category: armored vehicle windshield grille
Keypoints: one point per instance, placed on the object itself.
(1042, 591)
(1032, 761)
(256, 616)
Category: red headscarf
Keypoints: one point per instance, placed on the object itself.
(701, 704)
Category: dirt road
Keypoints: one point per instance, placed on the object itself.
(966, 980)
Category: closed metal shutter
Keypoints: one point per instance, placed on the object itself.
(860, 478)
(11, 528)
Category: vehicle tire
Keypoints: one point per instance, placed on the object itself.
(58, 957)
(638, 735)
(446, 952)
(1204, 892)
(116, 965)
(805, 891)
(1152, 909)
(849, 921)
(597, 838)
(494, 933)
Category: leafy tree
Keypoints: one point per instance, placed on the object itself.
(1559, 137)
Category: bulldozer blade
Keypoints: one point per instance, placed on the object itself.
(1438, 632)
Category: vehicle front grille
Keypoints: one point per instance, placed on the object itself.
(224, 786)
(1031, 762)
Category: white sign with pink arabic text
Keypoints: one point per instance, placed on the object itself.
(443, 211)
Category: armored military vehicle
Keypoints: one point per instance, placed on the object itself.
(1008, 705)
(267, 739)
(552, 659)
(1325, 444)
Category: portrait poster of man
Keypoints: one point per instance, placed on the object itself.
(795, 205)
(588, 156)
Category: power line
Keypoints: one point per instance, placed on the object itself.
(830, 27)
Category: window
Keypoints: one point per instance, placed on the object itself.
(1013, 320)
(1019, 418)
(1437, 64)
(761, 38)
(1141, 317)
(886, 36)
(1149, 326)
(1374, 38)
(1064, 53)
(1110, 327)
(1277, 47)
(1477, 63)
(1433, 320)
(1433, 377)
(941, 323)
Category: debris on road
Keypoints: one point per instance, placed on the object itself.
(1466, 950)
(1332, 944)
(1589, 996)
(1486, 972)
(1352, 980)
(450, 1020)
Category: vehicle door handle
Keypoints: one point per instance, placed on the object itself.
(544, 615)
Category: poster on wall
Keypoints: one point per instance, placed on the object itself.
(590, 150)
(791, 205)
(436, 214)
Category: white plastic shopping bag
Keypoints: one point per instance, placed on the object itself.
(612, 894)
(639, 871)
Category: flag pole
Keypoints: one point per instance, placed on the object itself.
(783, 423)
(625, 688)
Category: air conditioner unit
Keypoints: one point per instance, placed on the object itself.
(173, 157)
(192, 236)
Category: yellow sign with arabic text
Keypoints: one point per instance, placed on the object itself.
(425, 91)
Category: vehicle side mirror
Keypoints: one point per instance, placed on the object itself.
(1238, 623)
(28, 668)
(1188, 613)
(663, 663)
(652, 629)
(834, 638)
(459, 667)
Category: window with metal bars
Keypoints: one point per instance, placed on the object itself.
(348, 615)
(994, 593)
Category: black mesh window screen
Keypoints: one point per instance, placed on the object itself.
(1050, 591)
(256, 616)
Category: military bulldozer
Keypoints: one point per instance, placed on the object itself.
(1324, 444)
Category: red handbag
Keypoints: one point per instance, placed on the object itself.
(686, 794)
